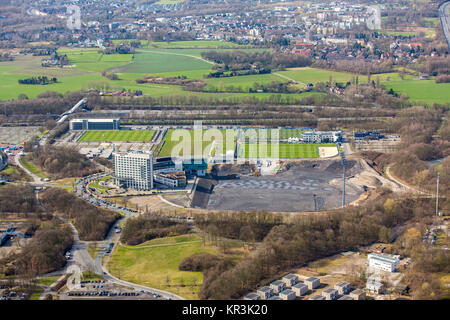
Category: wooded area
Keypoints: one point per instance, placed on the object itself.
(92, 223)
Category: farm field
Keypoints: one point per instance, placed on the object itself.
(286, 151)
(117, 135)
(244, 82)
(169, 1)
(210, 44)
(153, 61)
(180, 139)
(155, 264)
(314, 75)
(421, 90)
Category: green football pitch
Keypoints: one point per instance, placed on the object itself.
(285, 151)
(117, 135)
(183, 142)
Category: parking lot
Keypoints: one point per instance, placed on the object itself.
(103, 289)
(305, 186)
(17, 135)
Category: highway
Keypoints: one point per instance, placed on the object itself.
(444, 15)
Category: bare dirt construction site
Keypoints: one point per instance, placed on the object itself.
(298, 186)
(303, 185)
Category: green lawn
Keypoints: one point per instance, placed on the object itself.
(117, 135)
(244, 82)
(286, 151)
(314, 75)
(184, 141)
(421, 90)
(157, 266)
(47, 281)
(95, 184)
(256, 133)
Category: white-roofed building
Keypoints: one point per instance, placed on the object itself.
(383, 261)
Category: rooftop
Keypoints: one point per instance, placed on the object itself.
(291, 276)
(265, 289)
(312, 279)
(329, 290)
(342, 284)
(389, 258)
(96, 120)
(287, 291)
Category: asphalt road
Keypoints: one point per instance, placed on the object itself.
(444, 15)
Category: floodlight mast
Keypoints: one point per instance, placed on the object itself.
(437, 194)
(343, 161)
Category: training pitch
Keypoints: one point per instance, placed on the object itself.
(285, 151)
(117, 135)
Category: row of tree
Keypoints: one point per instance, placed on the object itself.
(38, 80)
(149, 226)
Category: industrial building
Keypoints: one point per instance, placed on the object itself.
(330, 294)
(321, 136)
(346, 297)
(358, 294)
(342, 287)
(287, 294)
(383, 261)
(278, 286)
(300, 289)
(371, 135)
(95, 124)
(290, 279)
(374, 285)
(195, 166)
(133, 170)
(265, 292)
(252, 296)
(167, 165)
(171, 179)
(312, 282)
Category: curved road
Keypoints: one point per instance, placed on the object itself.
(83, 259)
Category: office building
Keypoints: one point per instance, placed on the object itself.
(133, 170)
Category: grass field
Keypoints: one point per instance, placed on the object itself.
(255, 133)
(421, 90)
(183, 141)
(314, 75)
(244, 82)
(155, 264)
(27, 164)
(96, 184)
(117, 135)
(210, 44)
(286, 151)
(153, 61)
